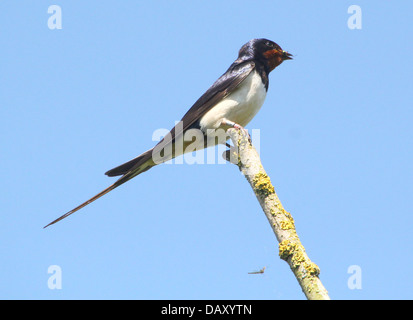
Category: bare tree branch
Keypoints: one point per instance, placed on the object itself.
(290, 248)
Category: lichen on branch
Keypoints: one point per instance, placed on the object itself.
(290, 248)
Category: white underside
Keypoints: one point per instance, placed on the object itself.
(240, 106)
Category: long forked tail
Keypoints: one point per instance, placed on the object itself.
(84, 204)
(141, 164)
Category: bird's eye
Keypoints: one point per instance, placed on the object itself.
(269, 44)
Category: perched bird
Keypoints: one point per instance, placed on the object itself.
(232, 101)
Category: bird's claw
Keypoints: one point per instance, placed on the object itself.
(238, 127)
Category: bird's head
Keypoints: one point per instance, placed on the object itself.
(266, 51)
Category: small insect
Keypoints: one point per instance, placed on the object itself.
(257, 272)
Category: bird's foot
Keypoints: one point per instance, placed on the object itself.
(238, 127)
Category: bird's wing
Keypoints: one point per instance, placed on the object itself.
(226, 84)
(231, 79)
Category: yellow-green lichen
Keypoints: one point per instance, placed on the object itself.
(298, 256)
(295, 250)
(285, 249)
(312, 269)
(272, 211)
(286, 225)
(262, 184)
(288, 215)
(282, 210)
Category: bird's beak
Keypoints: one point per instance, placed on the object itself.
(286, 55)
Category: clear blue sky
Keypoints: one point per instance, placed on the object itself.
(336, 140)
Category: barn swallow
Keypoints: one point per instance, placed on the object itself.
(232, 101)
